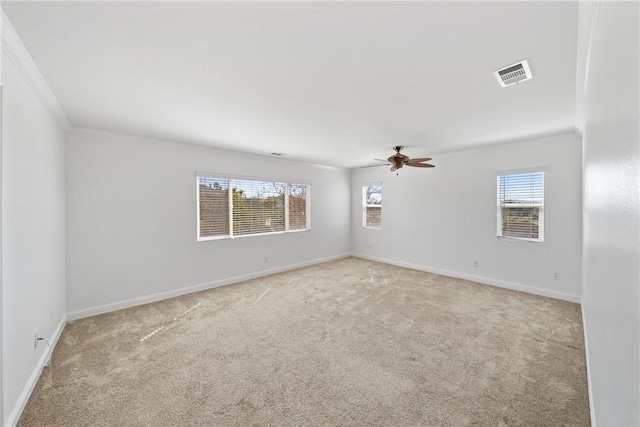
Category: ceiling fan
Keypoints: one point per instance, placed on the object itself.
(398, 160)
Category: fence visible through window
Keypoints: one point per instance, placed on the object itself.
(372, 206)
(230, 207)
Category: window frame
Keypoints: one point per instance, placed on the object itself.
(366, 205)
(540, 207)
(230, 179)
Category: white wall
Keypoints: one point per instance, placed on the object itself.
(33, 185)
(611, 213)
(443, 219)
(131, 220)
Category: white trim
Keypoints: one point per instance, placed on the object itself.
(19, 56)
(15, 414)
(1, 244)
(106, 308)
(227, 176)
(308, 208)
(520, 239)
(592, 409)
(484, 280)
(287, 190)
(244, 236)
(523, 171)
(230, 210)
(197, 208)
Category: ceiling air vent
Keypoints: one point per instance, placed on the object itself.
(513, 74)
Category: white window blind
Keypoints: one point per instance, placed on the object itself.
(521, 206)
(372, 206)
(213, 202)
(258, 207)
(297, 214)
(230, 207)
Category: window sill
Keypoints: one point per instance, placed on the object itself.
(243, 236)
(520, 239)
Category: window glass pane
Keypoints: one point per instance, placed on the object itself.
(520, 206)
(521, 189)
(214, 206)
(372, 195)
(241, 207)
(521, 222)
(258, 207)
(297, 207)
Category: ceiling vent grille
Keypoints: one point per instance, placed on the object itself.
(512, 74)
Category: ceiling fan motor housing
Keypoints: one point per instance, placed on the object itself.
(398, 160)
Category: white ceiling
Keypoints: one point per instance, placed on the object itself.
(333, 83)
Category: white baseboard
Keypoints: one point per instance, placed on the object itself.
(592, 410)
(14, 416)
(106, 308)
(484, 280)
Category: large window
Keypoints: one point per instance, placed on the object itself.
(372, 206)
(521, 206)
(230, 207)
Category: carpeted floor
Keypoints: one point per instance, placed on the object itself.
(349, 342)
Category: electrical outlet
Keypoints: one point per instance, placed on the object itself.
(556, 276)
(476, 264)
(35, 339)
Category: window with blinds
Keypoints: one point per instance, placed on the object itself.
(521, 206)
(297, 214)
(230, 207)
(372, 206)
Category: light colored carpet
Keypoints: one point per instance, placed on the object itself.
(349, 342)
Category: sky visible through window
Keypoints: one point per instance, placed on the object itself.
(250, 188)
(213, 182)
(524, 188)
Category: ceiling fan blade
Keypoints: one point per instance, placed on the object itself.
(382, 160)
(419, 159)
(420, 165)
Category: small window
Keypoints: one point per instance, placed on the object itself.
(244, 207)
(521, 206)
(372, 206)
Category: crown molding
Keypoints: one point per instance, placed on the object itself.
(17, 53)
